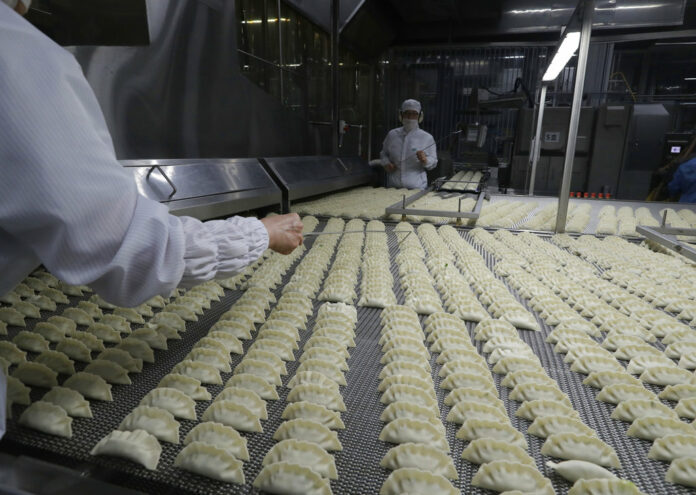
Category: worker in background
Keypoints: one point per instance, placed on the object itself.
(683, 183)
(408, 151)
(67, 203)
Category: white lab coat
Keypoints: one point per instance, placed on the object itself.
(67, 203)
(400, 149)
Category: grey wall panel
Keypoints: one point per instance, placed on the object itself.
(184, 95)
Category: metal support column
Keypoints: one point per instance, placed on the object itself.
(563, 195)
(370, 109)
(335, 88)
(280, 55)
(536, 148)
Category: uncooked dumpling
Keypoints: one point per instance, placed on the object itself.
(138, 446)
(210, 461)
(412, 480)
(285, 478)
(47, 417)
(305, 453)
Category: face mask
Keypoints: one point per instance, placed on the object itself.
(410, 124)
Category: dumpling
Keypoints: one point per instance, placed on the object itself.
(545, 426)
(665, 375)
(600, 379)
(639, 364)
(71, 400)
(580, 447)
(105, 333)
(293, 479)
(249, 398)
(47, 417)
(515, 378)
(259, 368)
(28, 309)
(137, 348)
(281, 349)
(12, 317)
(678, 392)
(682, 471)
(30, 341)
(90, 340)
(538, 408)
(36, 375)
(686, 408)
(317, 394)
(484, 450)
(403, 368)
(465, 394)
(74, 349)
(326, 355)
(463, 411)
(232, 414)
(315, 412)
(324, 367)
(412, 480)
(57, 361)
(304, 453)
(17, 392)
(576, 470)
(312, 377)
(268, 357)
(631, 410)
(118, 323)
(221, 436)
(588, 363)
(210, 461)
(252, 382)
(123, 359)
(65, 325)
(619, 392)
(138, 446)
(129, 314)
(109, 371)
(672, 447)
(653, 427)
(235, 328)
(90, 386)
(469, 380)
(11, 353)
(91, 309)
(218, 359)
(514, 363)
(308, 430)
(171, 320)
(403, 409)
(282, 336)
(151, 336)
(172, 400)
(203, 372)
(326, 343)
(503, 476)
(154, 420)
(409, 393)
(49, 331)
(231, 343)
(477, 428)
(405, 430)
(420, 456)
(533, 391)
(79, 316)
(604, 487)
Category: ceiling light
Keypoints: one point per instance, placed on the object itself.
(568, 47)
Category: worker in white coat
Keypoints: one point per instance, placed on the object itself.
(408, 151)
(67, 203)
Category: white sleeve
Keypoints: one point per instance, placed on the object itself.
(3, 402)
(431, 153)
(384, 155)
(69, 203)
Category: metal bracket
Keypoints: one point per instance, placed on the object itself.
(666, 237)
(400, 208)
(165, 178)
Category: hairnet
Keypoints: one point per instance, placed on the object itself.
(411, 105)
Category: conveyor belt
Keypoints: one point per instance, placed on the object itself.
(358, 463)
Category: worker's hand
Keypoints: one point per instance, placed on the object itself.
(284, 232)
(422, 157)
(389, 168)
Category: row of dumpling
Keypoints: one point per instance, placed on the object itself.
(363, 202)
(309, 274)
(494, 443)
(464, 179)
(300, 462)
(420, 461)
(504, 213)
(551, 414)
(416, 281)
(342, 278)
(377, 282)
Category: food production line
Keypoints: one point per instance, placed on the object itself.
(502, 251)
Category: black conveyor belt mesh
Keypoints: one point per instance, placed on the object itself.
(358, 464)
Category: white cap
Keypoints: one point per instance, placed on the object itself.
(411, 105)
(13, 3)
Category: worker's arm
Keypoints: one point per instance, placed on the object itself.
(430, 151)
(388, 165)
(75, 208)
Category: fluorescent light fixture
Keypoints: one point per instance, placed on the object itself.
(568, 47)
(690, 78)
